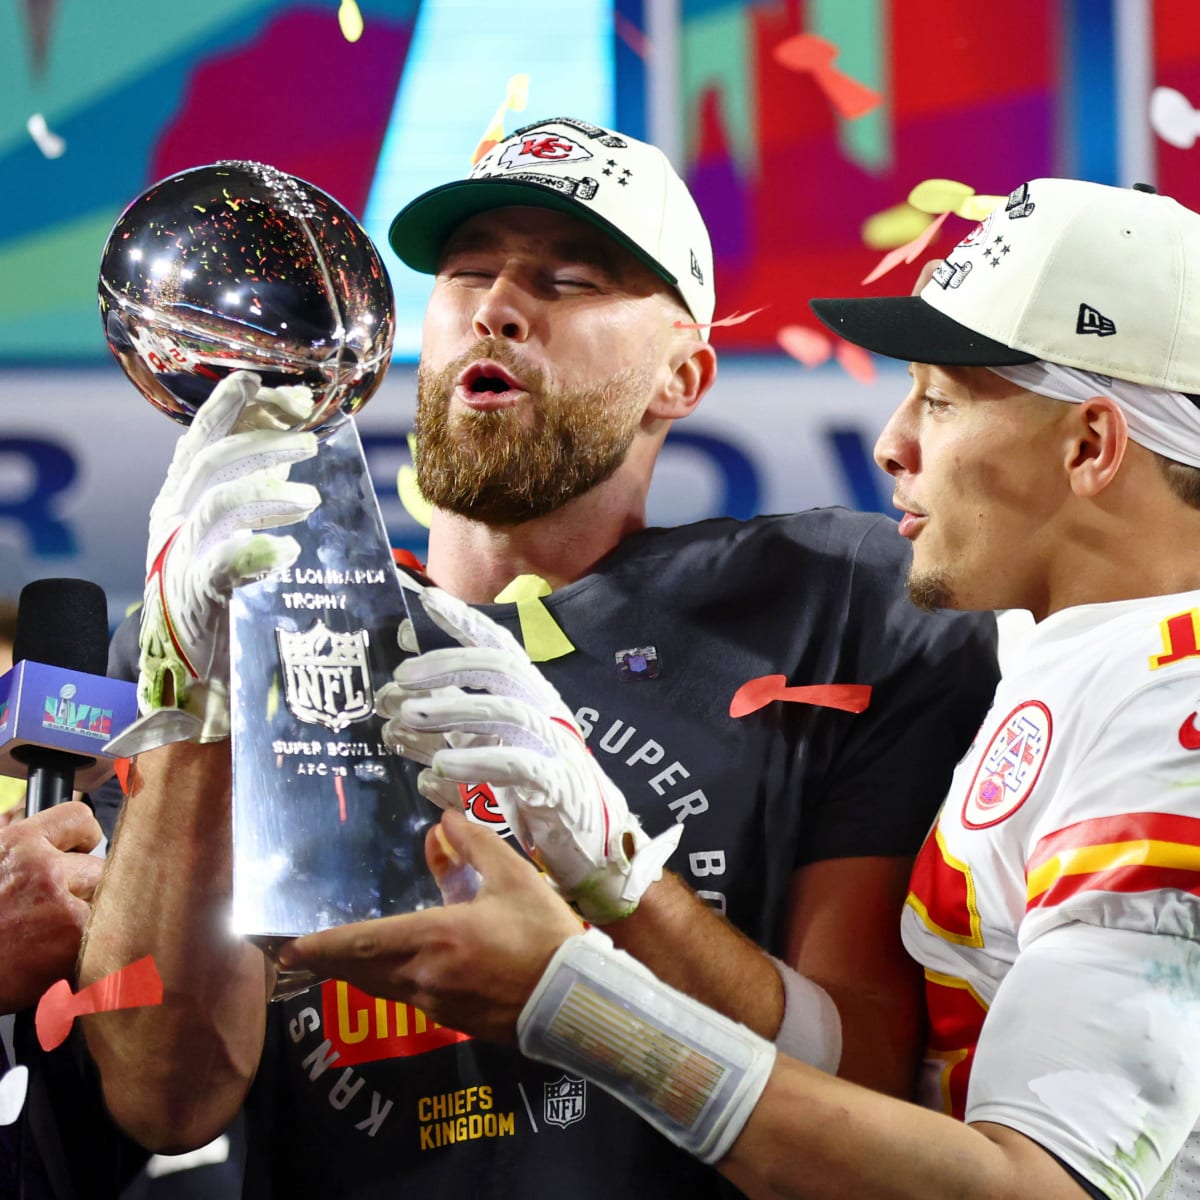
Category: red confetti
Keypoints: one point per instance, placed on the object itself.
(808, 346)
(633, 37)
(121, 766)
(134, 986)
(908, 252)
(758, 693)
(807, 52)
(736, 319)
(856, 362)
(341, 795)
(484, 146)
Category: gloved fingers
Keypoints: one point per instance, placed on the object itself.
(390, 698)
(248, 504)
(283, 407)
(445, 793)
(239, 456)
(497, 718)
(487, 668)
(465, 624)
(219, 414)
(502, 767)
(420, 747)
(244, 557)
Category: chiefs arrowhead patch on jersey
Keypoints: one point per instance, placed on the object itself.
(1009, 766)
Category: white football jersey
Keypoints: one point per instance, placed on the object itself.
(1055, 905)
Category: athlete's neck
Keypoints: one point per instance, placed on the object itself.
(475, 561)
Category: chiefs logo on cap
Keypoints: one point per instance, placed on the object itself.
(541, 150)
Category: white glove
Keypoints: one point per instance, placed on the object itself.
(228, 478)
(519, 737)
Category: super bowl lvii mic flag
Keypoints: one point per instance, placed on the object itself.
(239, 266)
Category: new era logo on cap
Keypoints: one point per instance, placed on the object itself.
(625, 187)
(1091, 321)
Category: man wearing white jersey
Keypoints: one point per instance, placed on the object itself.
(1046, 458)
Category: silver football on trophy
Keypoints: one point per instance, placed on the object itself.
(239, 266)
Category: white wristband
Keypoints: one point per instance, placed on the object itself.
(811, 1029)
(690, 1072)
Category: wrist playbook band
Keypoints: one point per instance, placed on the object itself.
(690, 1072)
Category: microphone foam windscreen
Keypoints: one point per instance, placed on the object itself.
(63, 623)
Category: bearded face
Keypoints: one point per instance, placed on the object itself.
(522, 461)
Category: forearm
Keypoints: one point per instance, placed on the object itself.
(175, 1074)
(691, 947)
(820, 1138)
(774, 1126)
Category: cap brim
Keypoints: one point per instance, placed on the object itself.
(421, 228)
(907, 328)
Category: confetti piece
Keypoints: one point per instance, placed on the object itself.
(808, 346)
(540, 632)
(633, 37)
(977, 207)
(46, 140)
(758, 693)
(121, 767)
(936, 196)
(516, 96)
(12, 794)
(856, 362)
(736, 319)
(134, 986)
(807, 52)
(908, 253)
(895, 226)
(409, 490)
(350, 20)
(13, 1087)
(1173, 118)
(340, 789)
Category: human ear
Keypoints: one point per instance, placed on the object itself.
(693, 367)
(1099, 435)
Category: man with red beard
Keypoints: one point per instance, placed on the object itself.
(565, 334)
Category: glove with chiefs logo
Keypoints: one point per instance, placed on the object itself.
(227, 480)
(513, 732)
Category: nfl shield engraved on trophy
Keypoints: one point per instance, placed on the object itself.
(328, 827)
(240, 266)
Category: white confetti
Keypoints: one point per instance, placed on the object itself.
(1173, 118)
(46, 140)
(12, 1094)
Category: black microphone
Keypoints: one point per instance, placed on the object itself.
(61, 623)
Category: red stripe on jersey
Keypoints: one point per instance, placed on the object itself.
(1126, 827)
(1118, 879)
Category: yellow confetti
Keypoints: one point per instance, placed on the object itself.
(409, 491)
(273, 699)
(12, 794)
(895, 226)
(350, 21)
(516, 96)
(977, 207)
(540, 632)
(937, 196)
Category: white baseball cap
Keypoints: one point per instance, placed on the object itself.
(1099, 278)
(625, 187)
